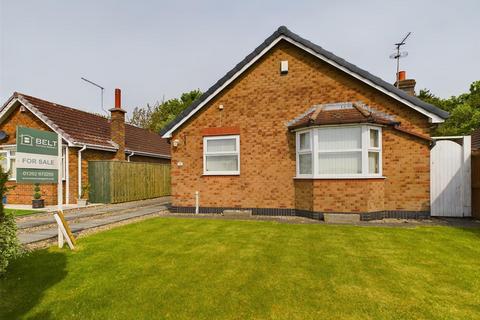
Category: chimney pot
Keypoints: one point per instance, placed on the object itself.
(118, 98)
(402, 75)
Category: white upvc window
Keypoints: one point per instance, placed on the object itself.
(304, 154)
(7, 161)
(374, 151)
(221, 155)
(349, 151)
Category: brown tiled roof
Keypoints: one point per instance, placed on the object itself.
(87, 128)
(139, 139)
(347, 113)
(476, 139)
(341, 114)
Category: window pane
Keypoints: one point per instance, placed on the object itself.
(374, 143)
(305, 163)
(373, 162)
(340, 163)
(222, 163)
(340, 138)
(305, 141)
(13, 169)
(222, 145)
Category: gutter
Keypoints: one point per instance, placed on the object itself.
(148, 154)
(80, 170)
(95, 147)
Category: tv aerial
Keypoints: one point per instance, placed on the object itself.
(101, 92)
(399, 54)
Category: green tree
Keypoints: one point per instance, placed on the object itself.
(464, 111)
(156, 117)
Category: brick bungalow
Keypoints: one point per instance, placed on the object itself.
(86, 136)
(295, 130)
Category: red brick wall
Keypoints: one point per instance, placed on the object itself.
(117, 124)
(260, 103)
(23, 193)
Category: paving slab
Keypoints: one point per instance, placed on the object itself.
(339, 218)
(121, 213)
(34, 221)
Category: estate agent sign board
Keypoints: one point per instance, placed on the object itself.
(37, 157)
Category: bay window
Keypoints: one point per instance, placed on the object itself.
(339, 152)
(221, 155)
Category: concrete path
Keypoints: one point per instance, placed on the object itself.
(43, 227)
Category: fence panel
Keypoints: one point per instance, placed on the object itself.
(476, 184)
(120, 181)
(99, 180)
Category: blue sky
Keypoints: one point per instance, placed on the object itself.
(159, 49)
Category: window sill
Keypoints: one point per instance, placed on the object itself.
(340, 178)
(220, 174)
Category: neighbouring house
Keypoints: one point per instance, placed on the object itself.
(86, 136)
(295, 130)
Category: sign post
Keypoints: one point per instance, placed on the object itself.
(59, 175)
(39, 160)
(64, 232)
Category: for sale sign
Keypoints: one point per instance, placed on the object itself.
(37, 156)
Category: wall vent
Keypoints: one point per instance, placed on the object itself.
(284, 67)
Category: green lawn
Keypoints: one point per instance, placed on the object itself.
(19, 212)
(169, 268)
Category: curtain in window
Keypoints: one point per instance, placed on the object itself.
(222, 163)
(305, 163)
(221, 145)
(340, 138)
(340, 162)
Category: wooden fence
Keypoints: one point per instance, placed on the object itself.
(476, 184)
(121, 181)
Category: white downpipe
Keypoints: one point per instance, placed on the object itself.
(67, 176)
(197, 196)
(131, 154)
(80, 170)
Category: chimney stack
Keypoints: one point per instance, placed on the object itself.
(117, 125)
(407, 85)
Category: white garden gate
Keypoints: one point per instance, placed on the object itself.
(450, 180)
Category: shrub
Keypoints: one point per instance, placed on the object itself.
(37, 195)
(9, 245)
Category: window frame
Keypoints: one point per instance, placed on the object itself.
(6, 154)
(224, 153)
(365, 149)
(375, 149)
(303, 152)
